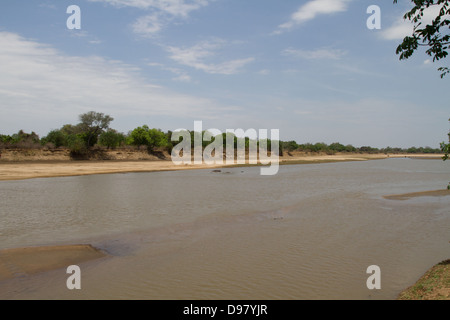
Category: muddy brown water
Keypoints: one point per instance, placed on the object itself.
(310, 232)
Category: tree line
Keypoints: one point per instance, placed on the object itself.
(337, 147)
(93, 131)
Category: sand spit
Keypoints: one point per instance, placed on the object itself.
(32, 260)
(406, 196)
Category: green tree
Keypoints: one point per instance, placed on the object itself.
(69, 129)
(368, 149)
(152, 138)
(434, 36)
(6, 139)
(290, 145)
(350, 148)
(22, 139)
(445, 147)
(320, 147)
(56, 137)
(412, 150)
(76, 145)
(111, 139)
(91, 125)
(337, 147)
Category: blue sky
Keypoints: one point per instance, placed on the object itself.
(311, 69)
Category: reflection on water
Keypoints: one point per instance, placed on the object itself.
(309, 232)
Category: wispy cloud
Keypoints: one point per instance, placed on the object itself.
(402, 28)
(39, 83)
(180, 75)
(174, 7)
(83, 34)
(198, 55)
(161, 12)
(149, 25)
(319, 54)
(47, 6)
(311, 10)
(264, 72)
(398, 30)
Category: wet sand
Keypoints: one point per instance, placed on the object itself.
(27, 261)
(406, 196)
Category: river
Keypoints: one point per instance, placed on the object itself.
(309, 232)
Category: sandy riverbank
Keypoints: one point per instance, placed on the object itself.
(19, 170)
(29, 170)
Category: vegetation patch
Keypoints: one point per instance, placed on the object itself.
(434, 285)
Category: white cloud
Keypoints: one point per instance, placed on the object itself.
(148, 25)
(319, 54)
(181, 75)
(183, 78)
(398, 31)
(311, 10)
(39, 83)
(402, 28)
(162, 12)
(47, 6)
(173, 7)
(195, 57)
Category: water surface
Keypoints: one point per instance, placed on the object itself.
(309, 232)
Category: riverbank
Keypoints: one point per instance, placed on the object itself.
(433, 285)
(44, 165)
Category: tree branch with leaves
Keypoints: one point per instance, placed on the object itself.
(435, 36)
(445, 147)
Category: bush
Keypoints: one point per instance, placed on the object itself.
(55, 137)
(111, 139)
(76, 145)
(151, 138)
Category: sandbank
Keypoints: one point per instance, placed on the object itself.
(406, 196)
(30, 170)
(32, 260)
